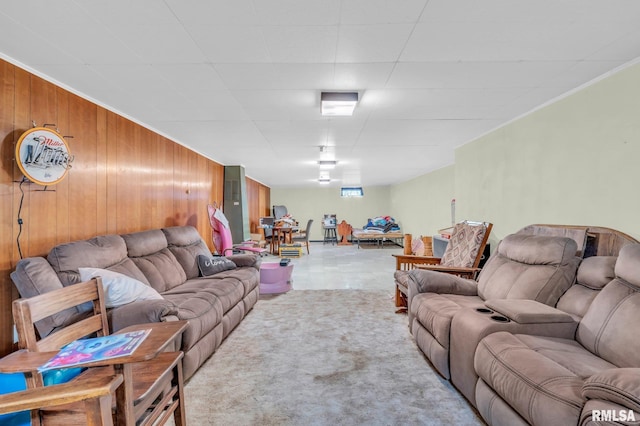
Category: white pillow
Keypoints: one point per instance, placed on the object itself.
(119, 289)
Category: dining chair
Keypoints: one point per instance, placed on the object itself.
(93, 392)
(303, 236)
(152, 390)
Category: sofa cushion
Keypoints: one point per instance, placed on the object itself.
(532, 267)
(186, 244)
(34, 276)
(148, 250)
(597, 271)
(106, 252)
(119, 289)
(212, 265)
(539, 377)
(593, 273)
(608, 329)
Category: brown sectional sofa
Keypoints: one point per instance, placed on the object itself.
(522, 361)
(165, 259)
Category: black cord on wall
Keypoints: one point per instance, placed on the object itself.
(20, 221)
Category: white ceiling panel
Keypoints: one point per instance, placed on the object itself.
(230, 44)
(240, 81)
(298, 12)
(368, 12)
(372, 43)
(296, 44)
(214, 12)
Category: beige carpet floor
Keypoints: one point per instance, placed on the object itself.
(323, 357)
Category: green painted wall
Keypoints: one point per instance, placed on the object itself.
(575, 161)
(422, 205)
(305, 204)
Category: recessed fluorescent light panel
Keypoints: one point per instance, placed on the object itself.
(338, 103)
(324, 178)
(327, 164)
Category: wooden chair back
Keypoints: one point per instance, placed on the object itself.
(26, 312)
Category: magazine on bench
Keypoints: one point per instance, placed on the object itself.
(95, 349)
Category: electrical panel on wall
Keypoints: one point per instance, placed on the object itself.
(235, 205)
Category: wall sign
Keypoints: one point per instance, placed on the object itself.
(43, 156)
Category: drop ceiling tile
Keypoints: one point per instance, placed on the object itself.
(230, 44)
(298, 12)
(300, 44)
(214, 12)
(359, 76)
(367, 12)
(190, 78)
(127, 12)
(474, 74)
(372, 43)
(31, 48)
(153, 43)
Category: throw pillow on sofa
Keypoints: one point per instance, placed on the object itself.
(119, 289)
(213, 265)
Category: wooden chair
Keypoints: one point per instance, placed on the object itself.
(462, 257)
(152, 390)
(93, 391)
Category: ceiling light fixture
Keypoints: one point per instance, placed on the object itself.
(338, 103)
(327, 164)
(324, 178)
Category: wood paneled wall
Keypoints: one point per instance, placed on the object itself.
(124, 178)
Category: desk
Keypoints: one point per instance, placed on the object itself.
(162, 334)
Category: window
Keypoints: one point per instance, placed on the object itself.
(351, 192)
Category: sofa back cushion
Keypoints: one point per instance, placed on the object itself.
(149, 251)
(186, 244)
(464, 245)
(105, 252)
(593, 274)
(531, 267)
(609, 328)
(34, 276)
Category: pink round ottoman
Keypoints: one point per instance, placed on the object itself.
(275, 278)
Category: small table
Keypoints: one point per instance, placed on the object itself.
(286, 233)
(162, 334)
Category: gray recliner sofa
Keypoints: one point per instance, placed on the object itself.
(588, 375)
(534, 267)
(166, 260)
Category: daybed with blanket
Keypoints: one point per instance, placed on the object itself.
(378, 229)
(152, 276)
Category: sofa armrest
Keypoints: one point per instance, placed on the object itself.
(425, 281)
(618, 385)
(250, 260)
(141, 312)
(525, 311)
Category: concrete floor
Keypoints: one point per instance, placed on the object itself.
(332, 267)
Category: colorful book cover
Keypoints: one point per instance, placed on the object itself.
(95, 349)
